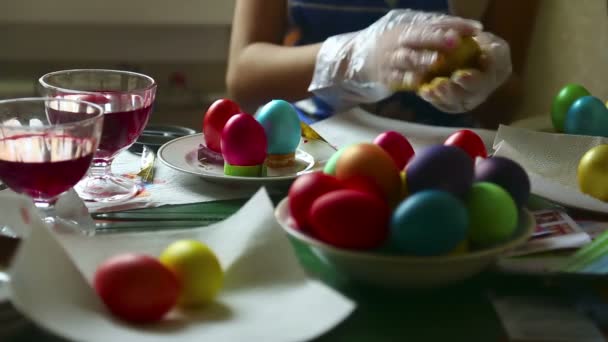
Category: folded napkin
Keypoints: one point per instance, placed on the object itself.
(169, 187)
(551, 160)
(266, 296)
(358, 125)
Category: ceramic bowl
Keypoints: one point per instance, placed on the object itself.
(398, 271)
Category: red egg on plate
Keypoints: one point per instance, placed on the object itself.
(468, 141)
(350, 219)
(244, 141)
(214, 121)
(136, 288)
(304, 190)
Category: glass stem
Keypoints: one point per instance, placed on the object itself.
(101, 168)
(47, 208)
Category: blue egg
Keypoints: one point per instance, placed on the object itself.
(282, 125)
(430, 222)
(587, 116)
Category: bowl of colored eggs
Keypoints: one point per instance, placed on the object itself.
(381, 213)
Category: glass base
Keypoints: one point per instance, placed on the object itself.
(65, 226)
(106, 188)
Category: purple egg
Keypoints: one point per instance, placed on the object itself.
(507, 174)
(439, 167)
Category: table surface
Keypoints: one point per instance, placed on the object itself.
(459, 312)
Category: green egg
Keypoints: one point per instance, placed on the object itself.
(562, 102)
(492, 215)
(330, 167)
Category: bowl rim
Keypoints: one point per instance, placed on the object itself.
(282, 209)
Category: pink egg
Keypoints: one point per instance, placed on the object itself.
(244, 141)
(397, 146)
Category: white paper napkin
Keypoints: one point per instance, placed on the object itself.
(551, 160)
(169, 187)
(358, 125)
(267, 295)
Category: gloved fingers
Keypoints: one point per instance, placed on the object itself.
(408, 59)
(446, 95)
(403, 79)
(465, 27)
(428, 37)
(471, 80)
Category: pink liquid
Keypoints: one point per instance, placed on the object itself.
(120, 127)
(25, 166)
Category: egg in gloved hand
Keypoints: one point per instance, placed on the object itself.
(466, 55)
(283, 130)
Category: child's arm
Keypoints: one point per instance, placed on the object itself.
(259, 68)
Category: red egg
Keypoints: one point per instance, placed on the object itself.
(244, 141)
(214, 121)
(350, 219)
(304, 190)
(364, 184)
(397, 146)
(136, 288)
(469, 141)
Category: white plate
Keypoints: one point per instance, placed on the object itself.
(181, 154)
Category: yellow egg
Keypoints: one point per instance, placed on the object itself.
(592, 172)
(462, 248)
(403, 184)
(198, 269)
(465, 56)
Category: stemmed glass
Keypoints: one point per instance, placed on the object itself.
(127, 99)
(46, 146)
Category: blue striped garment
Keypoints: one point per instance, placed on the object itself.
(313, 21)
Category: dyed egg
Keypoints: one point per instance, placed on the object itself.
(587, 116)
(469, 142)
(418, 229)
(506, 173)
(404, 192)
(592, 172)
(439, 167)
(397, 146)
(304, 190)
(244, 141)
(282, 125)
(562, 102)
(198, 269)
(330, 166)
(372, 163)
(492, 214)
(136, 287)
(350, 219)
(214, 121)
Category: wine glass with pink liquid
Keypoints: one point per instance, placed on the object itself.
(127, 99)
(46, 146)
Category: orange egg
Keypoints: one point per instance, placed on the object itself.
(373, 163)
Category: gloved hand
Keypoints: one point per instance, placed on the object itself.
(395, 53)
(466, 89)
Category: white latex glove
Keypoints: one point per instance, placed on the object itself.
(467, 89)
